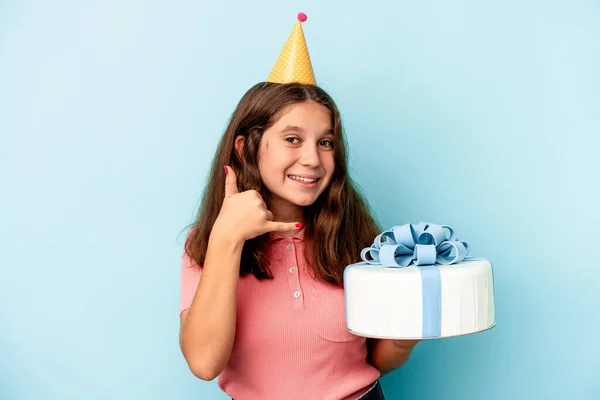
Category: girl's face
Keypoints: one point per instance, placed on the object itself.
(296, 160)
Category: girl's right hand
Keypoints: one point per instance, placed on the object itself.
(244, 215)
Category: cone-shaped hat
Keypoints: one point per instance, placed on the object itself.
(293, 64)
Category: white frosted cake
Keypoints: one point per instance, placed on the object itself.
(418, 283)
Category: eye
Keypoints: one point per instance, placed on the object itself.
(326, 142)
(292, 140)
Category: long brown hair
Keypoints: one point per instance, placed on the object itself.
(337, 226)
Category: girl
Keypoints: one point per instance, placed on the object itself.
(262, 298)
(262, 303)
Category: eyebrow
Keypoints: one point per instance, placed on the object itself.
(293, 128)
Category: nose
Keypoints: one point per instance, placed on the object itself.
(310, 156)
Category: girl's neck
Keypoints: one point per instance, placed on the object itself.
(284, 211)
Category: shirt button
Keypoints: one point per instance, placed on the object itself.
(296, 294)
(290, 246)
(292, 269)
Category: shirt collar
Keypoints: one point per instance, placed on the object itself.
(273, 236)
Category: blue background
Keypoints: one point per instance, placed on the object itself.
(481, 115)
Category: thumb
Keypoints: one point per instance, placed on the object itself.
(230, 182)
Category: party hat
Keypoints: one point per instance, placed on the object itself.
(293, 64)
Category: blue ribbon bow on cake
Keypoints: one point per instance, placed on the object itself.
(421, 244)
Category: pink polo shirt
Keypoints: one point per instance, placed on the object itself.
(291, 338)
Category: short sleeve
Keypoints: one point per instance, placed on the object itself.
(190, 278)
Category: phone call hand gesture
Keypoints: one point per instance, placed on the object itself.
(244, 215)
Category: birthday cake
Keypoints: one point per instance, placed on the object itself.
(416, 282)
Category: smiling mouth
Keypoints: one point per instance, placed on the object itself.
(303, 180)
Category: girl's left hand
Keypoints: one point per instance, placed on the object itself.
(405, 344)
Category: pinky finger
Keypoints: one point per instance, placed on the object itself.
(282, 226)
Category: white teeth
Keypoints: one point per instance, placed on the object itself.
(298, 178)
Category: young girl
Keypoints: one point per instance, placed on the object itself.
(262, 300)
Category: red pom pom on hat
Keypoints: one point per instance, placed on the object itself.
(302, 17)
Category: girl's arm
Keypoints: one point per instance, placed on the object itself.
(208, 326)
(388, 355)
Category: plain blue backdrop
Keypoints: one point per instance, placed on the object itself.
(481, 115)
